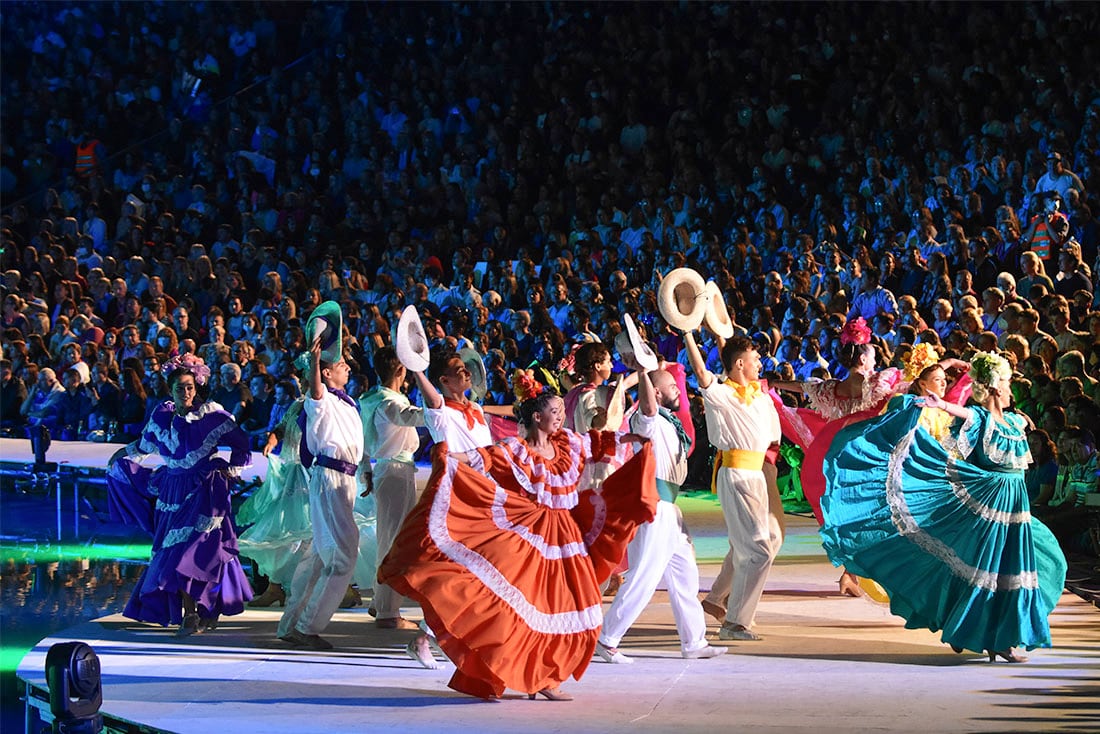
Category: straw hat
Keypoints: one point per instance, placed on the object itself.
(682, 299)
(717, 316)
(411, 341)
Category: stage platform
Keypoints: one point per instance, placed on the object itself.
(16, 454)
(827, 664)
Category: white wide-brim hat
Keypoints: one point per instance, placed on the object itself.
(411, 341)
(630, 343)
(479, 381)
(681, 299)
(716, 315)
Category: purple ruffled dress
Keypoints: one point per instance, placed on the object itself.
(185, 504)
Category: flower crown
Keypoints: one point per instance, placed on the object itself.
(189, 362)
(986, 368)
(920, 357)
(855, 331)
(525, 386)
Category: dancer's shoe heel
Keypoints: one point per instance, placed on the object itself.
(550, 694)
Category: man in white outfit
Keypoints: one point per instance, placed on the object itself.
(454, 419)
(660, 551)
(450, 415)
(390, 439)
(334, 437)
(742, 424)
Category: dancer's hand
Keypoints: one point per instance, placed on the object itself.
(367, 478)
(932, 400)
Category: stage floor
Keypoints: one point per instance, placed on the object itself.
(827, 663)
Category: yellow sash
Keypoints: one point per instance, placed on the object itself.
(740, 459)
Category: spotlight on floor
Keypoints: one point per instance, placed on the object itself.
(76, 691)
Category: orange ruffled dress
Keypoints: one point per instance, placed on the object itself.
(506, 556)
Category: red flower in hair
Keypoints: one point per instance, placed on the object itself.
(525, 386)
(855, 331)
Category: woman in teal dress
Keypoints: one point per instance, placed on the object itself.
(943, 523)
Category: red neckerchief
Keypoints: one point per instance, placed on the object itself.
(473, 415)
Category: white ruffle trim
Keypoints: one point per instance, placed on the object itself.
(907, 526)
(203, 451)
(204, 524)
(561, 623)
(599, 518)
(1006, 444)
(980, 509)
(540, 478)
(536, 541)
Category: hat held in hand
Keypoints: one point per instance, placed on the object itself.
(630, 344)
(716, 316)
(682, 299)
(411, 341)
(327, 323)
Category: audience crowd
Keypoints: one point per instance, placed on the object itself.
(188, 177)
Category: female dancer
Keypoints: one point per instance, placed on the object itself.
(195, 573)
(943, 524)
(506, 555)
(834, 404)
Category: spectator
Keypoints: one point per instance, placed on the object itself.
(40, 407)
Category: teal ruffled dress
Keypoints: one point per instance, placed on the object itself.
(943, 525)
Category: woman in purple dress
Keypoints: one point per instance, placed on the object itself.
(195, 574)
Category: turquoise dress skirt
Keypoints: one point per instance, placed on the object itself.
(943, 525)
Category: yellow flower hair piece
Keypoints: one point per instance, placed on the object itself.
(920, 357)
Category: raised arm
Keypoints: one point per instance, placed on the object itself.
(432, 397)
(316, 387)
(932, 400)
(647, 396)
(698, 365)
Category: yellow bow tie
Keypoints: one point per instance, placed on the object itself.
(746, 393)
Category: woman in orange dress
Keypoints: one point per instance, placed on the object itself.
(506, 555)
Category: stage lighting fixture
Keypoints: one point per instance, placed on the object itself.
(76, 691)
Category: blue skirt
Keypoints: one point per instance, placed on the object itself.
(951, 541)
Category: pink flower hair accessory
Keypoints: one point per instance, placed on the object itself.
(855, 331)
(189, 362)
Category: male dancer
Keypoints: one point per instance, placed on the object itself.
(742, 424)
(390, 438)
(334, 437)
(454, 419)
(450, 415)
(661, 550)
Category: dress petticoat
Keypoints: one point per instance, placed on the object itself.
(278, 513)
(506, 557)
(185, 504)
(944, 527)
